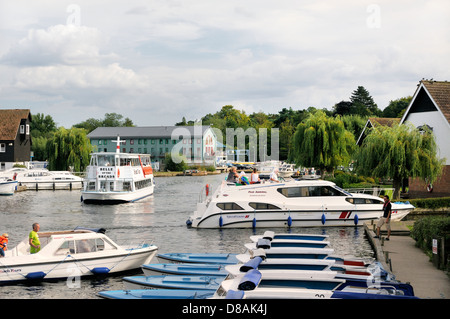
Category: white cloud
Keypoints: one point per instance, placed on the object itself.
(158, 61)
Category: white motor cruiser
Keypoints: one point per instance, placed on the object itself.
(79, 252)
(296, 203)
(42, 178)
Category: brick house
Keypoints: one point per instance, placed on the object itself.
(15, 138)
(430, 106)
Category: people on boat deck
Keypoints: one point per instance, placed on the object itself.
(35, 244)
(274, 176)
(233, 176)
(3, 244)
(386, 218)
(254, 178)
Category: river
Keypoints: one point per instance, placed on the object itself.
(160, 219)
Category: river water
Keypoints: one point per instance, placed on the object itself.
(160, 219)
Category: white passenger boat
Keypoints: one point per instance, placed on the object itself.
(79, 252)
(43, 179)
(292, 203)
(114, 178)
(7, 186)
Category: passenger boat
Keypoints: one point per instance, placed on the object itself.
(43, 179)
(157, 294)
(7, 186)
(297, 285)
(173, 282)
(296, 203)
(286, 170)
(114, 178)
(79, 252)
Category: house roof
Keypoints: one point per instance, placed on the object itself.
(373, 121)
(145, 131)
(439, 93)
(10, 122)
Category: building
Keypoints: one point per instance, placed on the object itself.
(196, 143)
(15, 138)
(430, 106)
(373, 121)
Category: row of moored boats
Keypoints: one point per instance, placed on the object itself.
(285, 266)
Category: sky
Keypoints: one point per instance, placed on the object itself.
(156, 61)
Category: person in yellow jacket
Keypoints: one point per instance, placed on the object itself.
(3, 244)
(35, 244)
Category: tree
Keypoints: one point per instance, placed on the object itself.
(362, 103)
(399, 152)
(322, 142)
(69, 148)
(110, 120)
(397, 107)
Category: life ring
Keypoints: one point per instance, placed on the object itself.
(430, 188)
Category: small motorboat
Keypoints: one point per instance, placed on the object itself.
(173, 282)
(184, 269)
(157, 294)
(265, 243)
(42, 178)
(285, 285)
(270, 235)
(206, 258)
(7, 186)
(78, 252)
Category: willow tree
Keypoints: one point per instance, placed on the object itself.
(399, 152)
(69, 148)
(322, 142)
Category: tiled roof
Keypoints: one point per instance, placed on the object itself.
(10, 121)
(440, 92)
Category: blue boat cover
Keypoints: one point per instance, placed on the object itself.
(250, 280)
(251, 264)
(263, 243)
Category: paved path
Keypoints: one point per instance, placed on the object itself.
(410, 264)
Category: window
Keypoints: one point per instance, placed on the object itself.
(22, 129)
(131, 142)
(263, 206)
(28, 129)
(310, 191)
(229, 206)
(2, 147)
(358, 201)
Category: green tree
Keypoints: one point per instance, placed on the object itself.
(69, 148)
(322, 142)
(363, 103)
(172, 166)
(399, 152)
(110, 120)
(397, 107)
(42, 128)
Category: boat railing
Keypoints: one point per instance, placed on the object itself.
(376, 191)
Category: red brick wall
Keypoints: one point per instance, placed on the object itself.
(441, 187)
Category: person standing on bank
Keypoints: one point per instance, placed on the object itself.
(386, 218)
(35, 244)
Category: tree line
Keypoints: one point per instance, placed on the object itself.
(319, 138)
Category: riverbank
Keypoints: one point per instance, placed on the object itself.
(408, 262)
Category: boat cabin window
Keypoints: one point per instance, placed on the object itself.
(81, 246)
(263, 206)
(106, 160)
(356, 201)
(309, 191)
(229, 206)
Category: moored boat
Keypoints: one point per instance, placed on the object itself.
(157, 294)
(43, 179)
(207, 258)
(296, 203)
(173, 282)
(114, 178)
(184, 269)
(79, 252)
(7, 186)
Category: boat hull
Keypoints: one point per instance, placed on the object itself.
(173, 282)
(157, 294)
(209, 258)
(116, 197)
(8, 188)
(32, 267)
(184, 269)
